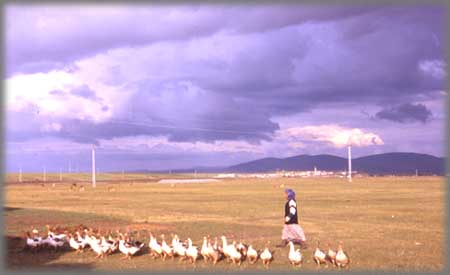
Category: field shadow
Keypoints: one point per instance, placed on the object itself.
(54, 267)
(8, 209)
(18, 257)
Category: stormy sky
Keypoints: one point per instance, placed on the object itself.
(179, 86)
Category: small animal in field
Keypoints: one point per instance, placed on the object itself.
(266, 256)
(331, 255)
(295, 257)
(33, 242)
(319, 256)
(76, 244)
(53, 242)
(252, 254)
(166, 249)
(204, 250)
(235, 255)
(242, 248)
(214, 252)
(342, 259)
(81, 189)
(155, 248)
(192, 252)
(127, 248)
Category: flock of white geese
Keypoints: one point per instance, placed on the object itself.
(235, 252)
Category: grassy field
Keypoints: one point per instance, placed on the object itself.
(388, 223)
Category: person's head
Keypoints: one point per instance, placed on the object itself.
(290, 194)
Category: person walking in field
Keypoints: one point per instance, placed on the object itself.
(292, 231)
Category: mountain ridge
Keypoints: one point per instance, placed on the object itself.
(396, 163)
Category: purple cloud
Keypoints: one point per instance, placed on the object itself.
(223, 73)
(60, 35)
(405, 113)
(85, 92)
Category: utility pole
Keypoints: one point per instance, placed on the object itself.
(350, 163)
(93, 167)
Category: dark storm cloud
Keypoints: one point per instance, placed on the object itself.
(209, 115)
(369, 58)
(262, 62)
(53, 37)
(405, 113)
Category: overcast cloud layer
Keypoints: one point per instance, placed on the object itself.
(167, 87)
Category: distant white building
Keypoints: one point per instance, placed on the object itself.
(222, 176)
(288, 174)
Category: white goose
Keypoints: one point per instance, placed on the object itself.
(252, 254)
(295, 257)
(81, 239)
(205, 249)
(155, 247)
(54, 235)
(331, 255)
(191, 252)
(213, 252)
(114, 244)
(175, 240)
(178, 248)
(127, 249)
(75, 244)
(93, 240)
(107, 245)
(342, 259)
(227, 249)
(53, 242)
(266, 256)
(166, 249)
(99, 249)
(33, 242)
(87, 237)
(242, 248)
(90, 238)
(216, 244)
(235, 255)
(319, 256)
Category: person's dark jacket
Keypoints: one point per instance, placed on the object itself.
(290, 212)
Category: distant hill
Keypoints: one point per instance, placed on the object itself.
(400, 163)
(302, 162)
(381, 164)
(389, 163)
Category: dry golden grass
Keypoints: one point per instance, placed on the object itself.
(389, 223)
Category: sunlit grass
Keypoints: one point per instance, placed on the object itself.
(390, 223)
